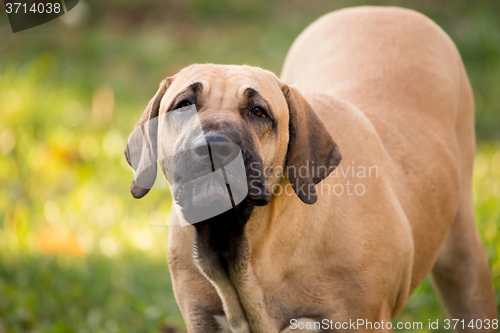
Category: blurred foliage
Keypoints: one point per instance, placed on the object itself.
(71, 91)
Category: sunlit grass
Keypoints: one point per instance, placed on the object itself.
(487, 204)
(77, 252)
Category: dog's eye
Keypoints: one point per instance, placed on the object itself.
(183, 104)
(258, 111)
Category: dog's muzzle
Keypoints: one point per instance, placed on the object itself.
(205, 170)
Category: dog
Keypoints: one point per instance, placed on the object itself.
(358, 163)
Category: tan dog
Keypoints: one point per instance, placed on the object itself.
(388, 85)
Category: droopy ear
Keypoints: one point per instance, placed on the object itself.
(141, 148)
(312, 154)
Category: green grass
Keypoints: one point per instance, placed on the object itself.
(69, 97)
(129, 293)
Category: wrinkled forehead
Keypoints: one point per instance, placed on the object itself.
(228, 80)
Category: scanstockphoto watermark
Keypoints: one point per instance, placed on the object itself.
(365, 324)
(357, 324)
(353, 178)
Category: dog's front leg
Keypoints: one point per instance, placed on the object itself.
(198, 299)
(209, 243)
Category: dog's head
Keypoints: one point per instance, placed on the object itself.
(241, 110)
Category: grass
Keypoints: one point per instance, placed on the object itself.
(130, 292)
(69, 96)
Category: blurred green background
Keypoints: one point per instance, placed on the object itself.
(77, 252)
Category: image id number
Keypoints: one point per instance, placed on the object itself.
(40, 8)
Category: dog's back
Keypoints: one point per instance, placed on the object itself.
(406, 75)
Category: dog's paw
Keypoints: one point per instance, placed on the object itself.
(222, 320)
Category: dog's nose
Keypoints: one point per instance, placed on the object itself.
(220, 149)
(200, 146)
(201, 151)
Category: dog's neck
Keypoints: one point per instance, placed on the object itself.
(221, 252)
